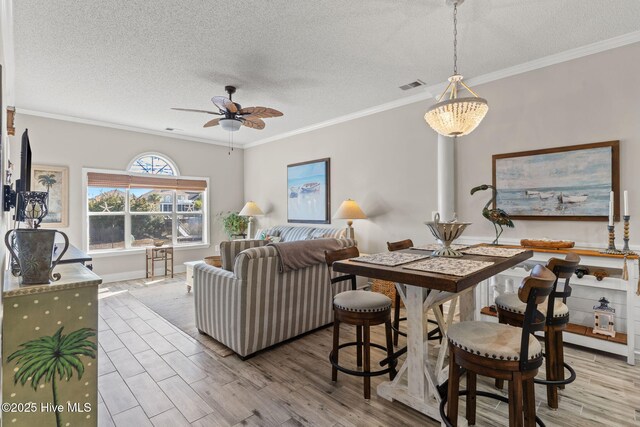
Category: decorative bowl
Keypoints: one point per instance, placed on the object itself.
(158, 242)
(446, 233)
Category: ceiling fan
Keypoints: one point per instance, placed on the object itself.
(234, 115)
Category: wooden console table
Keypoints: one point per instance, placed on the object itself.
(586, 292)
(162, 254)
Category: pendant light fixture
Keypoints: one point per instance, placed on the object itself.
(456, 116)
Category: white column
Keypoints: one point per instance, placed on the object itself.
(446, 177)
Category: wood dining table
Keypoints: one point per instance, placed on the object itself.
(418, 382)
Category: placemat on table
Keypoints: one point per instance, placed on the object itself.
(449, 266)
(390, 259)
(436, 246)
(493, 251)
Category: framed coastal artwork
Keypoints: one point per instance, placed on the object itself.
(54, 180)
(308, 191)
(563, 183)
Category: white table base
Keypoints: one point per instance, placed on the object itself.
(415, 384)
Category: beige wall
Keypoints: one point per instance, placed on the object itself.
(387, 161)
(591, 99)
(56, 142)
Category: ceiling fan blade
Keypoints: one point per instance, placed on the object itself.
(224, 103)
(210, 123)
(261, 112)
(253, 123)
(197, 111)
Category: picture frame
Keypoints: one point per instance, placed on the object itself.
(570, 183)
(309, 192)
(55, 180)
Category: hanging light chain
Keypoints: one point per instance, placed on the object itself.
(455, 38)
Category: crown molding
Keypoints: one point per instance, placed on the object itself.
(434, 90)
(101, 123)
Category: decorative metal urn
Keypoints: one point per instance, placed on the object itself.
(32, 250)
(446, 233)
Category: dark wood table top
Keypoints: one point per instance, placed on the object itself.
(430, 280)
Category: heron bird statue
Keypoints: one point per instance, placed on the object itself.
(497, 217)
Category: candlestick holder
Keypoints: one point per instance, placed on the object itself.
(611, 250)
(625, 248)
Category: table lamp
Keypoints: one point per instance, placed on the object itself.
(349, 210)
(250, 209)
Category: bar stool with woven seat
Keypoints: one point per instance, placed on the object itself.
(362, 309)
(511, 311)
(500, 351)
(434, 334)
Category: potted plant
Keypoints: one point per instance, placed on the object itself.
(234, 224)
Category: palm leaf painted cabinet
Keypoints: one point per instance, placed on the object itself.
(49, 350)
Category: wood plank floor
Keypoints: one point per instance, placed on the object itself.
(153, 374)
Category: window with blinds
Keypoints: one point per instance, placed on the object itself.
(126, 210)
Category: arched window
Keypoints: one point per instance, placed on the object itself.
(148, 203)
(153, 164)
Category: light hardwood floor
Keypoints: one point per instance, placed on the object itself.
(153, 374)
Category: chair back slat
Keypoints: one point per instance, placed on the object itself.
(339, 255)
(563, 269)
(398, 246)
(533, 291)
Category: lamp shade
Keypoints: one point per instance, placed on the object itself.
(349, 209)
(251, 209)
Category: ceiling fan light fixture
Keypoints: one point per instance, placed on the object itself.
(230, 125)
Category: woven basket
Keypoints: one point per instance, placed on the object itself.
(214, 261)
(386, 288)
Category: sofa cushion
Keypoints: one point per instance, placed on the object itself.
(328, 233)
(290, 233)
(229, 250)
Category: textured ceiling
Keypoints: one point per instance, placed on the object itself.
(129, 61)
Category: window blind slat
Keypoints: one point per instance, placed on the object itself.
(153, 182)
(112, 180)
(191, 184)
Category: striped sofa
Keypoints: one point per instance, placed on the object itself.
(255, 306)
(289, 233)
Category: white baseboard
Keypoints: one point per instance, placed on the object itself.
(136, 274)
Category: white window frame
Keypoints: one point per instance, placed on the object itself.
(176, 171)
(127, 214)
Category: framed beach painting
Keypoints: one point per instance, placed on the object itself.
(54, 180)
(564, 183)
(308, 192)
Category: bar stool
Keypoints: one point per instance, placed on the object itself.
(511, 311)
(500, 351)
(434, 334)
(362, 309)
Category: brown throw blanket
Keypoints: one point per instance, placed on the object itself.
(303, 253)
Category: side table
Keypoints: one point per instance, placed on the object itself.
(162, 254)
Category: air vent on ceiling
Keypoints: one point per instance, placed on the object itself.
(412, 85)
